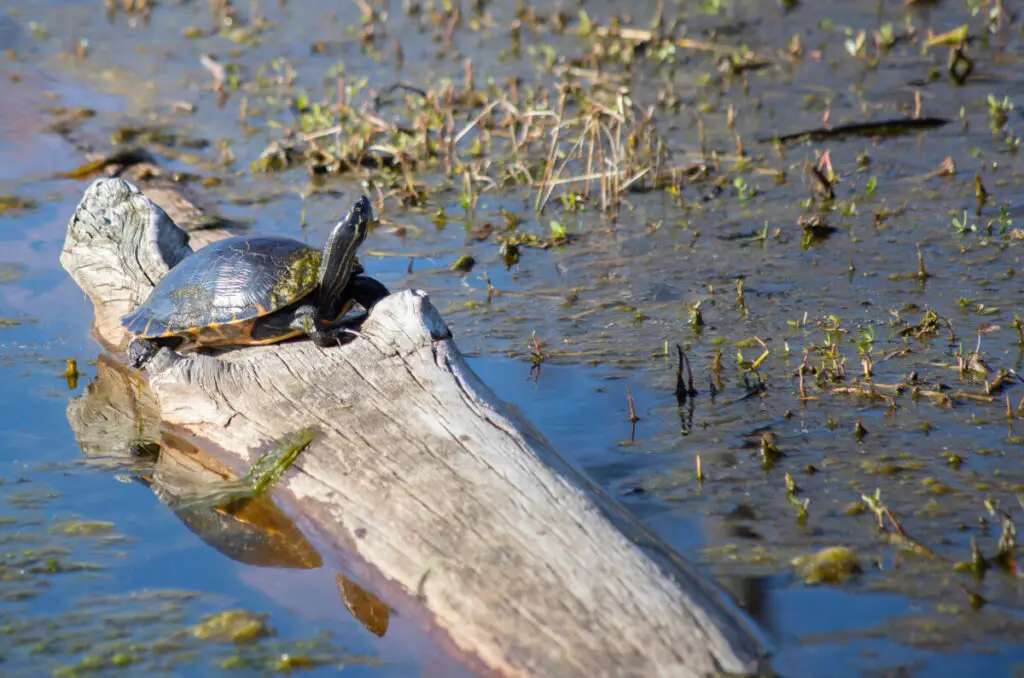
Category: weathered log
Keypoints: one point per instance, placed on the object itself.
(421, 471)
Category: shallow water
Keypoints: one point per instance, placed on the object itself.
(582, 300)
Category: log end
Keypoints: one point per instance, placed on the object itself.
(118, 244)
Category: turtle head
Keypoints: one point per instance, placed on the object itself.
(340, 255)
(355, 224)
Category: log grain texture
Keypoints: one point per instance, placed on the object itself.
(421, 471)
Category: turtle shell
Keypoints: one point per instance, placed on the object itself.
(226, 286)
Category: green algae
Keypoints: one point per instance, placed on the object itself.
(301, 277)
(192, 308)
(83, 528)
(15, 203)
(832, 565)
(272, 464)
(11, 272)
(234, 626)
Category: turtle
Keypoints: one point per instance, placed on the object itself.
(251, 290)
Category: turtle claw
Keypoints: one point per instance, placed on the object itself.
(348, 334)
(339, 333)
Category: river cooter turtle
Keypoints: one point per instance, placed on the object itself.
(249, 290)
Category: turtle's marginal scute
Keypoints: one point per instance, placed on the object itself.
(136, 321)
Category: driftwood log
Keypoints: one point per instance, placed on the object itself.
(422, 472)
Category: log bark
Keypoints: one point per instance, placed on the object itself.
(421, 471)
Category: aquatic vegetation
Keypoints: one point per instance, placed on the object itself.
(14, 203)
(831, 565)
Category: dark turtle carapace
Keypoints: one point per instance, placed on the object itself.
(258, 290)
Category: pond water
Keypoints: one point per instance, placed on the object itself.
(98, 573)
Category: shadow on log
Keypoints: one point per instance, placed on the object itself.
(419, 470)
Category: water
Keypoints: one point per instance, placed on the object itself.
(129, 589)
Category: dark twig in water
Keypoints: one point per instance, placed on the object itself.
(922, 272)
(537, 357)
(800, 371)
(684, 389)
(877, 128)
(633, 418)
(825, 184)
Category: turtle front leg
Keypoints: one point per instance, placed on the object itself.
(366, 291)
(307, 319)
(362, 289)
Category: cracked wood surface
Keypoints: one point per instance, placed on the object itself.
(420, 470)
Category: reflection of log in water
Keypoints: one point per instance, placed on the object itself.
(754, 595)
(118, 417)
(116, 414)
